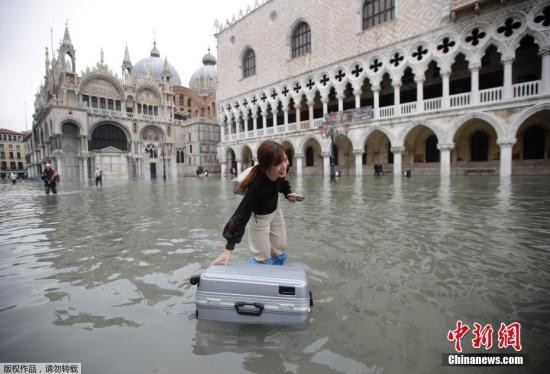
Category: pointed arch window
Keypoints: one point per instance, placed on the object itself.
(249, 63)
(301, 40)
(376, 12)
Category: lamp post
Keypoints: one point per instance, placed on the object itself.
(329, 129)
(162, 154)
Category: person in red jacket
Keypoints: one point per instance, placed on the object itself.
(50, 178)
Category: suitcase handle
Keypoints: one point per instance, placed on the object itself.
(244, 308)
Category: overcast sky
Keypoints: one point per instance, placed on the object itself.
(184, 29)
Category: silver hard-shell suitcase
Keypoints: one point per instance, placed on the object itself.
(245, 293)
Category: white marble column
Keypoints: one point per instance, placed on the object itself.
(326, 165)
(324, 100)
(445, 159)
(474, 71)
(376, 99)
(358, 162)
(419, 93)
(545, 78)
(59, 166)
(507, 90)
(299, 164)
(223, 168)
(445, 100)
(239, 166)
(255, 122)
(506, 156)
(285, 114)
(297, 109)
(396, 97)
(397, 152)
(340, 98)
(310, 107)
(274, 114)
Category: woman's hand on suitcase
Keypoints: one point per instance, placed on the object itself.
(223, 258)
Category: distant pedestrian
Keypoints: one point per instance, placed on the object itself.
(206, 172)
(50, 178)
(13, 177)
(98, 177)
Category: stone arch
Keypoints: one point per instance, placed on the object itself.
(405, 131)
(363, 138)
(151, 87)
(142, 133)
(81, 129)
(322, 142)
(491, 120)
(524, 116)
(246, 156)
(119, 143)
(501, 47)
(539, 39)
(86, 80)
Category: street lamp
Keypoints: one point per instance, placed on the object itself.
(162, 154)
(329, 129)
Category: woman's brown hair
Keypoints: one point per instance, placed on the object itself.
(269, 154)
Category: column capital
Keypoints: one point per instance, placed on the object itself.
(544, 51)
(398, 149)
(474, 65)
(419, 79)
(358, 152)
(325, 154)
(445, 73)
(506, 142)
(396, 83)
(508, 59)
(375, 87)
(299, 155)
(446, 147)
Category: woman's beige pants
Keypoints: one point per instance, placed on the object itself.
(267, 234)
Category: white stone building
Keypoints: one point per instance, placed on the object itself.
(433, 86)
(128, 126)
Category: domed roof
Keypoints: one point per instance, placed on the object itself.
(204, 79)
(153, 65)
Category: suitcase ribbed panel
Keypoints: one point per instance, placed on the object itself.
(265, 294)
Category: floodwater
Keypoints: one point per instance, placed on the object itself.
(100, 275)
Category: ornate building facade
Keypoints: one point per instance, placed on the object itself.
(435, 87)
(12, 153)
(128, 126)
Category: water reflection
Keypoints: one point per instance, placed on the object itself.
(393, 264)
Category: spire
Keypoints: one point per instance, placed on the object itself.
(47, 60)
(166, 67)
(155, 51)
(126, 57)
(67, 37)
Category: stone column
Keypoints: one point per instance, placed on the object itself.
(239, 166)
(397, 152)
(474, 71)
(264, 118)
(297, 109)
(324, 100)
(445, 100)
(357, 93)
(376, 98)
(396, 97)
(255, 122)
(358, 162)
(85, 168)
(274, 114)
(445, 159)
(326, 165)
(310, 107)
(545, 78)
(299, 164)
(419, 93)
(506, 156)
(59, 166)
(340, 97)
(285, 113)
(507, 90)
(223, 168)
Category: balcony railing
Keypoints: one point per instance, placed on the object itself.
(526, 89)
(491, 95)
(459, 100)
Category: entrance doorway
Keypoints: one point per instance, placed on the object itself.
(153, 169)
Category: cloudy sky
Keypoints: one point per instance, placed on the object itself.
(183, 29)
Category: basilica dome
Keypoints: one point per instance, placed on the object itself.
(204, 79)
(153, 65)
